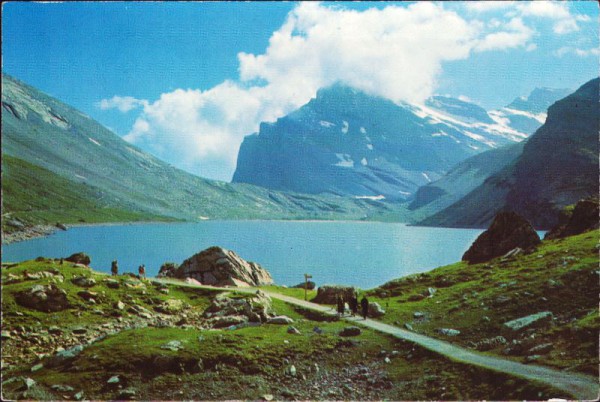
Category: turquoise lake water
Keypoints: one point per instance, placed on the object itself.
(364, 254)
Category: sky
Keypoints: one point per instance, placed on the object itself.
(186, 81)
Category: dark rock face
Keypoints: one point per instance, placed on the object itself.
(583, 219)
(44, 298)
(328, 294)
(217, 266)
(79, 258)
(168, 270)
(507, 232)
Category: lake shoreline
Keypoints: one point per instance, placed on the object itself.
(39, 231)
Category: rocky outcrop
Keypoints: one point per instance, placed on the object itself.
(225, 311)
(79, 258)
(528, 321)
(507, 232)
(168, 269)
(217, 266)
(328, 294)
(583, 218)
(44, 298)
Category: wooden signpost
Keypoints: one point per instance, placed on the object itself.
(306, 278)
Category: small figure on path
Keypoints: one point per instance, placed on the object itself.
(364, 304)
(114, 268)
(142, 271)
(340, 306)
(354, 304)
(61, 261)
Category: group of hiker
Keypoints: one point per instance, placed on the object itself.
(114, 269)
(353, 305)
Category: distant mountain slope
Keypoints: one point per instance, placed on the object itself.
(47, 133)
(527, 114)
(558, 166)
(462, 179)
(347, 142)
(35, 195)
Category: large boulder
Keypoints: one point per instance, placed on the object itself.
(582, 218)
(167, 270)
(79, 258)
(507, 232)
(217, 266)
(328, 294)
(44, 298)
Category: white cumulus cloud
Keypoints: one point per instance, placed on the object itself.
(396, 52)
(123, 103)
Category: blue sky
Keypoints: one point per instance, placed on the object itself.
(186, 81)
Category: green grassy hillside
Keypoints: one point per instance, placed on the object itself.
(34, 195)
(561, 277)
(128, 341)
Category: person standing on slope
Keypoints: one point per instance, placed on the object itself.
(364, 304)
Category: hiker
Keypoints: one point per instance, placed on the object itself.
(340, 306)
(364, 304)
(354, 304)
(61, 261)
(142, 271)
(114, 268)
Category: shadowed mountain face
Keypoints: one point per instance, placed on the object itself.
(347, 142)
(558, 167)
(41, 130)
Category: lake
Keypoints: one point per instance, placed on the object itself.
(364, 254)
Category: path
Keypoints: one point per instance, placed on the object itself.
(581, 386)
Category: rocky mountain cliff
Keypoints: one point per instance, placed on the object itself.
(558, 167)
(345, 141)
(42, 131)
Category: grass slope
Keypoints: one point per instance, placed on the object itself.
(560, 277)
(35, 195)
(246, 363)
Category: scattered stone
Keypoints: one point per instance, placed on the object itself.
(119, 305)
(62, 388)
(64, 356)
(489, 343)
(217, 266)
(60, 226)
(37, 367)
(170, 306)
(111, 283)
(529, 320)
(508, 231)
(328, 294)
(387, 360)
(291, 370)
(350, 331)
(79, 330)
(79, 258)
(448, 331)
(541, 349)
(408, 326)
(172, 345)
(375, 310)
(267, 397)
(6, 335)
(88, 295)
(54, 330)
(44, 298)
(83, 281)
(317, 330)
(532, 358)
(430, 292)
(280, 319)
(293, 330)
(29, 382)
(418, 314)
(113, 380)
(128, 393)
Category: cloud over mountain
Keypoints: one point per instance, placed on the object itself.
(396, 52)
